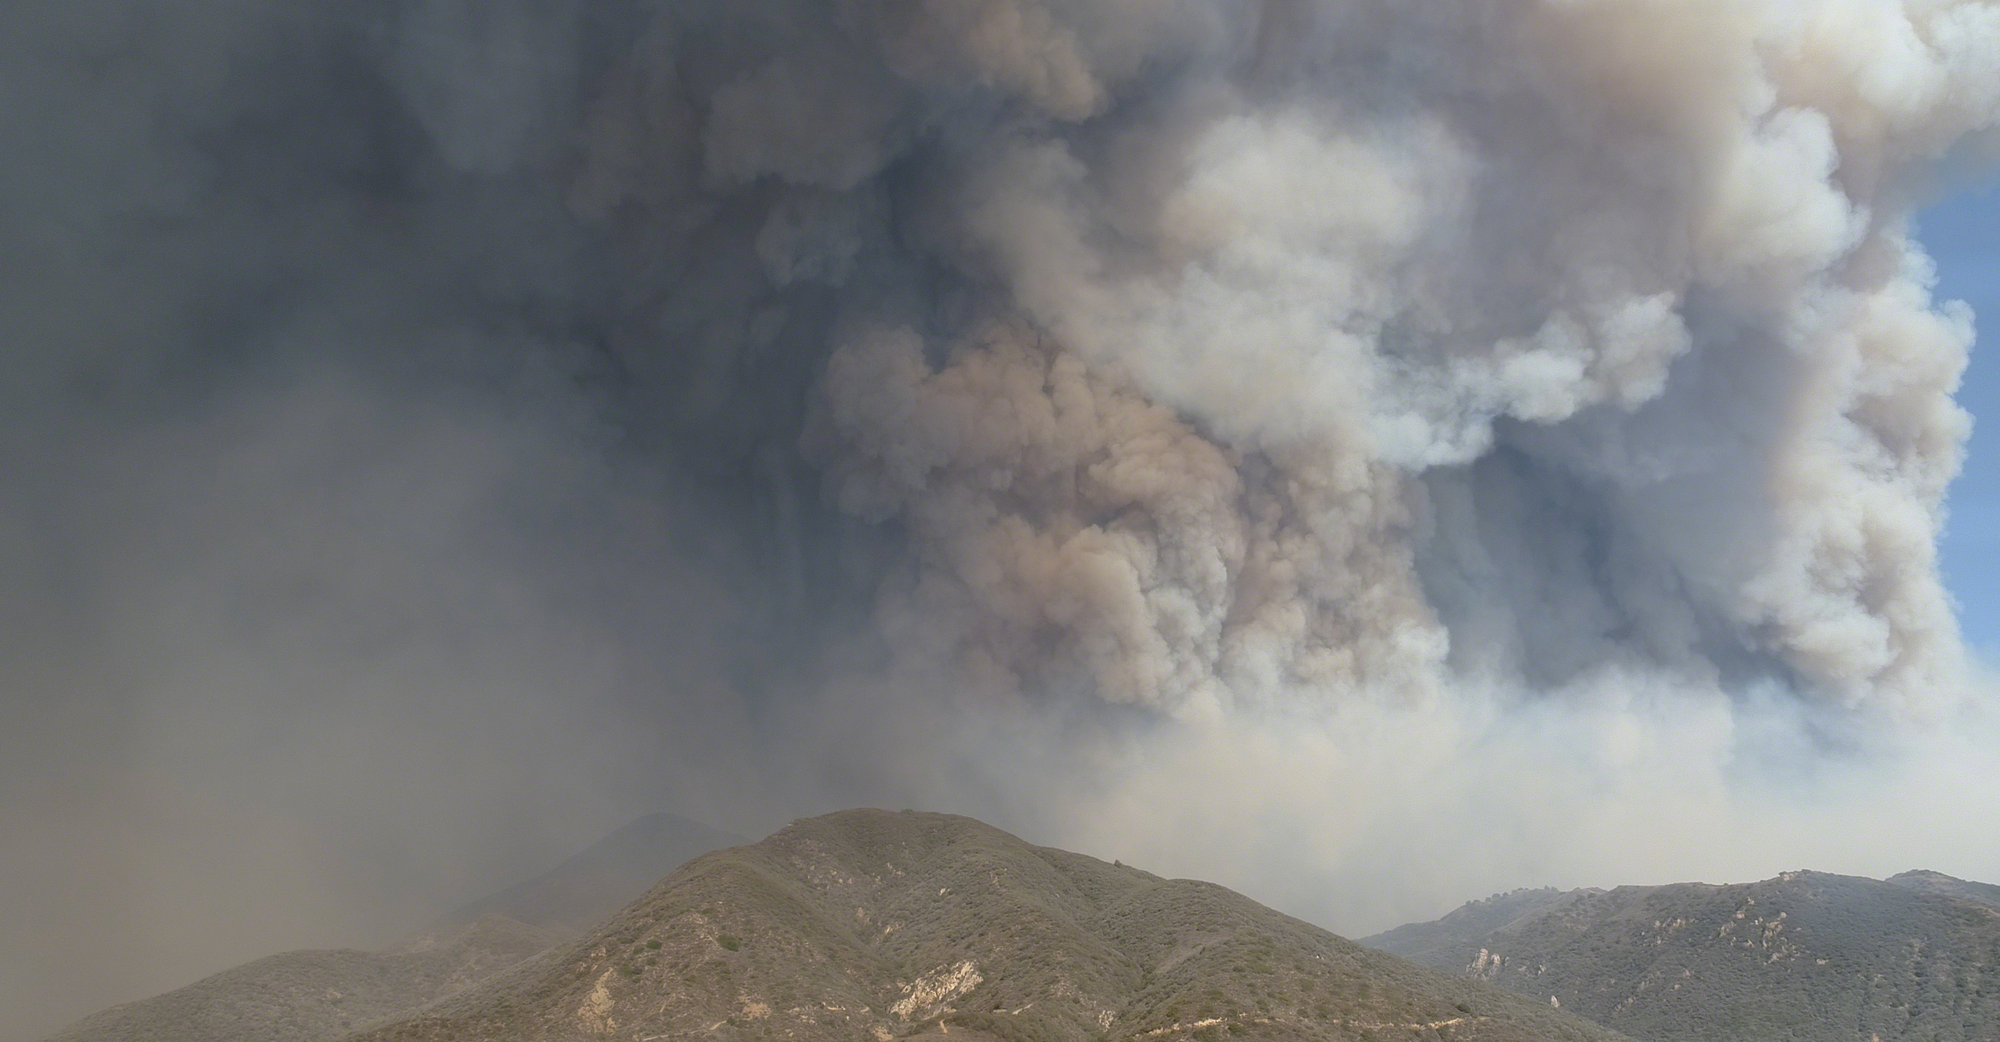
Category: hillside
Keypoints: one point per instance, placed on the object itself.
(1806, 956)
(1437, 943)
(870, 925)
(588, 888)
(316, 995)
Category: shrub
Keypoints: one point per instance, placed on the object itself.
(729, 941)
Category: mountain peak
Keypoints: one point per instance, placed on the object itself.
(874, 925)
(1931, 882)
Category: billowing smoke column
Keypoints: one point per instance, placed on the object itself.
(1208, 353)
(1181, 353)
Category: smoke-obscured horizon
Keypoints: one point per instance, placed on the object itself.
(1370, 453)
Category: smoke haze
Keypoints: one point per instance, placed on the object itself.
(1367, 453)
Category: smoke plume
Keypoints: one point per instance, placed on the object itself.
(1114, 417)
(1210, 354)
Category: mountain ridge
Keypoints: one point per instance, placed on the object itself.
(1806, 956)
(874, 925)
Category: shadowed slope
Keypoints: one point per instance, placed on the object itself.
(1439, 942)
(312, 996)
(309, 996)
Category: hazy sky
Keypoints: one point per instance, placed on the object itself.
(1370, 453)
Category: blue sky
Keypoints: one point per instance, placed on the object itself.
(1963, 233)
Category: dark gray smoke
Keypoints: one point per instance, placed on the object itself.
(1133, 420)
